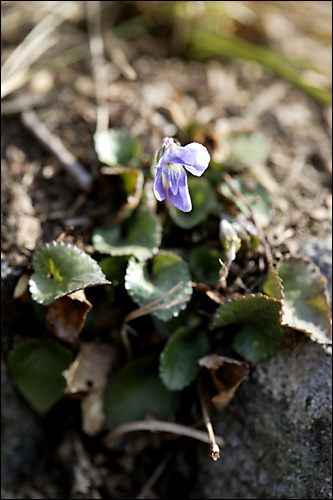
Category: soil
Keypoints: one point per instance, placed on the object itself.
(162, 94)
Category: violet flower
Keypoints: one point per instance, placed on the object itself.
(171, 158)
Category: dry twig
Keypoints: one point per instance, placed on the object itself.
(98, 63)
(153, 306)
(214, 447)
(81, 177)
(160, 426)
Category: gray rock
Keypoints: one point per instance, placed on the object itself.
(277, 430)
(320, 251)
(278, 426)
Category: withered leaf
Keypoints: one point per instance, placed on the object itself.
(225, 374)
(65, 316)
(92, 411)
(89, 370)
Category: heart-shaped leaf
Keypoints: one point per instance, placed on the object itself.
(306, 305)
(60, 269)
(257, 319)
(245, 150)
(128, 182)
(36, 367)
(136, 390)
(114, 268)
(140, 237)
(168, 271)
(178, 360)
(116, 147)
(203, 202)
(257, 197)
(205, 265)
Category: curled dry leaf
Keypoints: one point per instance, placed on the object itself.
(212, 294)
(226, 374)
(65, 316)
(22, 286)
(88, 374)
(90, 368)
(92, 410)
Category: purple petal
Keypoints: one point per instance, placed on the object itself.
(182, 199)
(201, 158)
(173, 174)
(175, 154)
(158, 188)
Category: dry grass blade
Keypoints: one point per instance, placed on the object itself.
(82, 178)
(21, 77)
(38, 41)
(94, 17)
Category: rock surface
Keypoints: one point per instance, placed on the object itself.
(278, 427)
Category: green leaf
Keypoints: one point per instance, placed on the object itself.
(116, 147)
(273, 285)
(205, 265)
(178, 360)
(114, 268)
(36, 367)
(60, 269)
(203, 202)
(135, 390)
(246, 150)
(256, 196)
(306, 305)
(257, 318)
(140, 236)
(128, 182)
(168, 271)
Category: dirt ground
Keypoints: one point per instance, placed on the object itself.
(153, 91)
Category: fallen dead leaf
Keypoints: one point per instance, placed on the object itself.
(21, 286)
(65, 316)
(90, 368)
(92, 411)
(226, 374)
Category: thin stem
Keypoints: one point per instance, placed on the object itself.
(161, 426)
(214, 448)
(229, 181)
(155, 305)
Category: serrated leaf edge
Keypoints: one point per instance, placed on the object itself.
(323, 280)
(182, 305)
(161, 367)
(242, 298)
(79, 251)
(118, 252)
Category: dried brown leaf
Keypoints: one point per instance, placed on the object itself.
(65, 317)
(92, 411)
(226, 374)
(89, 370)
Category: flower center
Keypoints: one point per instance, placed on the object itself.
(173, 173)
